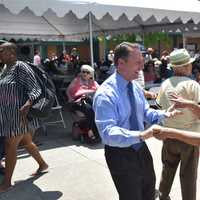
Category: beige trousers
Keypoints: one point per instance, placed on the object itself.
(173, 153)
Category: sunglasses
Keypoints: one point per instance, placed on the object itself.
(85, 72)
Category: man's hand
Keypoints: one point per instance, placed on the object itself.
(172, 112)
(149, 94)
(160, 132)
(180, 102)
(146, 134)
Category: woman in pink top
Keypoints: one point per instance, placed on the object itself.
(82, 85)
(82, 88)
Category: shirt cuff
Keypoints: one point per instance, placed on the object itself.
(162, 116)
(136, 139)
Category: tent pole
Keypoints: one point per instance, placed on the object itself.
(184, 40)
(91, 40)
(105, 46)
(32, 50)
(63, 45)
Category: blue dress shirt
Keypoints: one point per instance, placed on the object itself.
(112, 112)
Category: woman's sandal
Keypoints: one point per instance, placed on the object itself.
(40, 171)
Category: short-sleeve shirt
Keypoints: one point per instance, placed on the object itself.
(17, 85)
(37, 60)
(186, 88)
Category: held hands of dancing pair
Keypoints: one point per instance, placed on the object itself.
(156, 131)
(160, 132)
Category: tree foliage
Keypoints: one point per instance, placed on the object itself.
(152, 39)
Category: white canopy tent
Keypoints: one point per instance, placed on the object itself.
(65, 20)
(82, 8)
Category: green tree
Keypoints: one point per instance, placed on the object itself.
(152, 39)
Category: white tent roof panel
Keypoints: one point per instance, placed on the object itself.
(23, 23)
(39, 19)
(99, 10)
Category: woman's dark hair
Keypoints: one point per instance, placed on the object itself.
(146, 65)
(122, 51)
(11, 47)
(165, 53)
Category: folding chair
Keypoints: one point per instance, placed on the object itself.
(152, 102)
(57, 108)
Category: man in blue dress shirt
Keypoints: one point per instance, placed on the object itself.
(121, 110)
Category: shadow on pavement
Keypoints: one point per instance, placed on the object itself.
(27, 190)
(56, 137)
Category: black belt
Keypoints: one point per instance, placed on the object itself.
(123, 148)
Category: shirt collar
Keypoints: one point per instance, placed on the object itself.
(121, 82)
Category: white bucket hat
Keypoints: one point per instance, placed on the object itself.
(180, 57)
(88, 68)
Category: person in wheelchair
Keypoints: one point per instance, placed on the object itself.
(80, 93)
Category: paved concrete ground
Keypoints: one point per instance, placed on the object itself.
(76, 171)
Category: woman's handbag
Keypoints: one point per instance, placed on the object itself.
(41, 107)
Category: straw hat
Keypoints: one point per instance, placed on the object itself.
(180, 57)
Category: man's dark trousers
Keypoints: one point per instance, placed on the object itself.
(132, 172)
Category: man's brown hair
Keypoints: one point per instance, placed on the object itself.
(122, 51)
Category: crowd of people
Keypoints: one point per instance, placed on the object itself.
(118, 112)
(63, 64)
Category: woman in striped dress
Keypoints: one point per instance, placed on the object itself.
(18, 89)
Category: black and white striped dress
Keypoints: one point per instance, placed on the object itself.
(17, 85)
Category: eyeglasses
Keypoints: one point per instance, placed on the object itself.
(85, 72)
